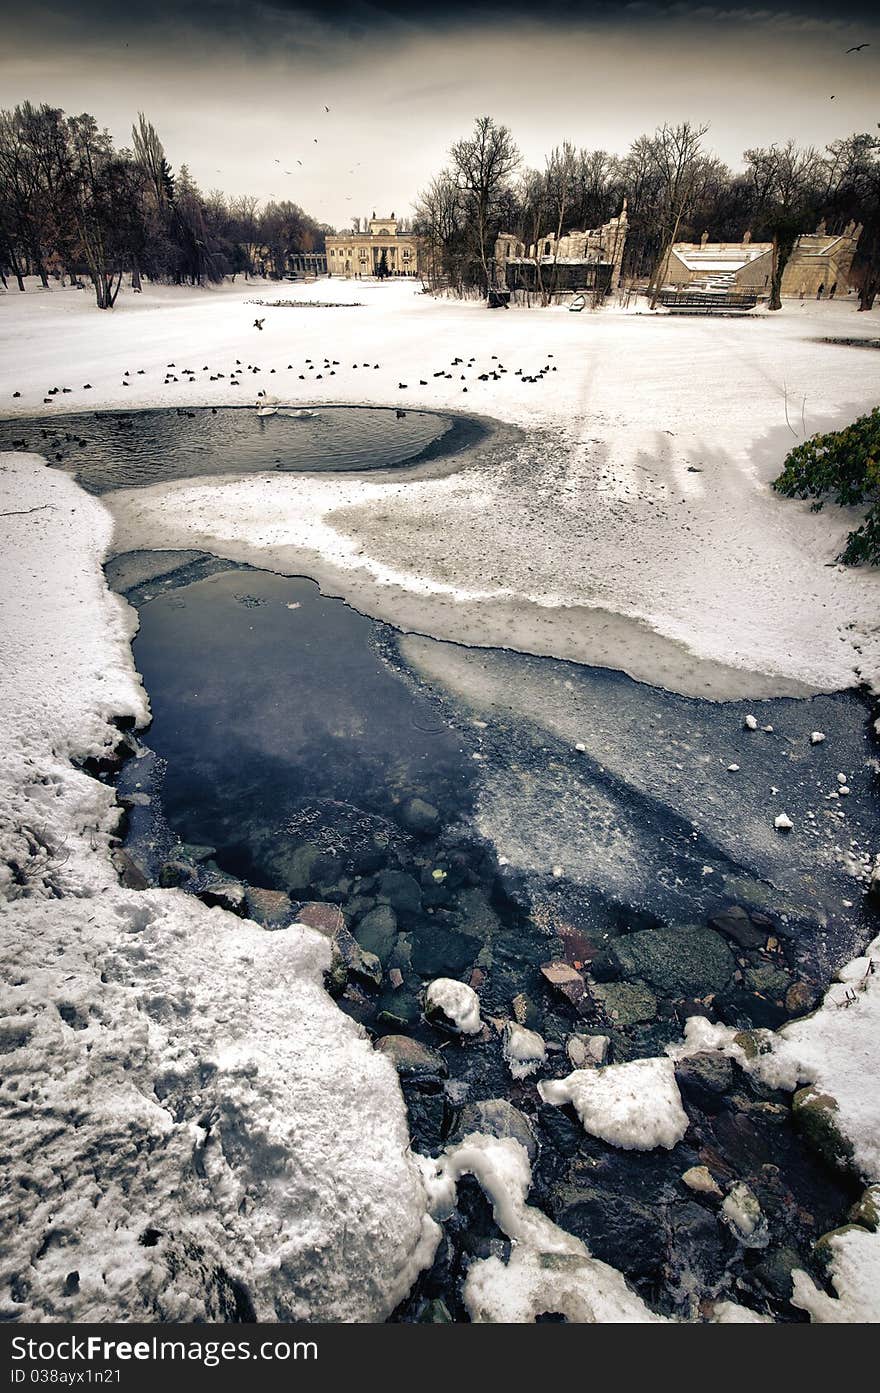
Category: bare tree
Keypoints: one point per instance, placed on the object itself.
(483, 164)
(784, 180)
(676, 152)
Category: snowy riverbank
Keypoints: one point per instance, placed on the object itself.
(634, 526)
(181, 1092)
(192, 1129)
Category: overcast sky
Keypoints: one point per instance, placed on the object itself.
(235, 85)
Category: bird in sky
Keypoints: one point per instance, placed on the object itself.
(831, 99)
(857, 48)
(299, 162)
(315, 140)
(326, 108)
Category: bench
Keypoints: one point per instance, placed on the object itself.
(708, 301)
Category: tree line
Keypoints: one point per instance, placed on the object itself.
(676, 189)
(72, 206)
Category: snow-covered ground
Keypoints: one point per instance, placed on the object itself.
(187, 1115)
(189, 1111)
(631, 526)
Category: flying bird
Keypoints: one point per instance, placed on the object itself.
(857, 48)
(326, 108)
(299, 162)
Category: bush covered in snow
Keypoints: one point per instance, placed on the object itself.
(843, 465)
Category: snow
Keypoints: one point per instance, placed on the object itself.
(837, 1050)
(524, 1050)
(855, 1277)
(162, 1059)
(549, 1270)
(457, 1001)
(636, 1106)
(587, 538)
(192, 1126)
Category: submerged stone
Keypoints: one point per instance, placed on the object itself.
(420, 817)
(496, 1117)
(686, 962)
(815, 1116)
(411, 1059)
(377, 932)
(625, 1003)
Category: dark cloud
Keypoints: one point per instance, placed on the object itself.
(259, 22)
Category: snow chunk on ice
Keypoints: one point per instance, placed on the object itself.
(855, 1277)
(455, 1001)
(549, 1270)
(524, 1050)
(636, 1106)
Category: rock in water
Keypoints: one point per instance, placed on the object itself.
(411, 1059)
(420, 817)
(687, 962)
(495, 1117)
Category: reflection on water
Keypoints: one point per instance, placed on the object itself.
(283, 730)
(117, 449)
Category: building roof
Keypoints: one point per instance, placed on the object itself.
(720, 256)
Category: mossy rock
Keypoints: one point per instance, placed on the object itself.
(680, 962)
(816, 1118)
(866, 1211)
(824, 1249)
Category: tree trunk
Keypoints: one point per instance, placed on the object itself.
(661, 270)
(135, 276)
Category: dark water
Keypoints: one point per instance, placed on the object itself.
(288, 740)
(291, 741)
(281, 728)
(117, 449)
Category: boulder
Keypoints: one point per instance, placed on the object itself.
(411, 1059)
(328, 919)
(401, 891)
(680, 962)
(701, 1180)
(495, 1117)
(377, 931)
(565, 980)
(625, 1003)
(815, 1117)
(271, 908)
(585, 1051)
(737, 925)
(420, 817)
(704, 1079)
(616, 1227)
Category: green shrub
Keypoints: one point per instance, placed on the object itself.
(845, 466)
